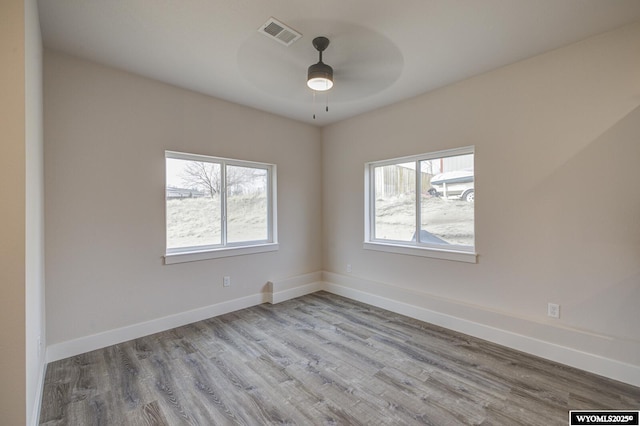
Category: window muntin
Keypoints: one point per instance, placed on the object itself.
(431, 209)
(215, 203)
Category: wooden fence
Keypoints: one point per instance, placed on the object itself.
(399, 179)
(395, 180)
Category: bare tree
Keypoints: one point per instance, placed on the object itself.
(197, 174)
(239, 180)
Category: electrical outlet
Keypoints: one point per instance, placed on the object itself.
(226, 281)
(553, 310)
(39, 346)
(349, 268)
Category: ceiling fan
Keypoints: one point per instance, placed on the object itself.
(320, 75)
(362, 62)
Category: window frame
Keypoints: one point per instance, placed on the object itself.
(225, 248)
(414, 248)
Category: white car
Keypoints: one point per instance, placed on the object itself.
(458, 184)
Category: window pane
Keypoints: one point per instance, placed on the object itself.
(193, 203)
(447, 201)
(395, 202)
(247, 206)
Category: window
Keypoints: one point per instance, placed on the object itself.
(216, 207)
(422, 205)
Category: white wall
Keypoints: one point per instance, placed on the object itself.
(106, 132)
(34, 239)
(557, 199)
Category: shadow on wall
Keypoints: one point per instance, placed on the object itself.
(588, 242)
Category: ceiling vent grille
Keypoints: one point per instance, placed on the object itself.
(278, 31)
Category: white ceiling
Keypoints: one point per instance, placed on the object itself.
(382, 51)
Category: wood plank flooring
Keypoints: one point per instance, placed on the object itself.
(318, 360)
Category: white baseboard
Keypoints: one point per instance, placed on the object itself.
(533, 337)
(111, 337)
(277, 291)
(290, 288)
(531, 342)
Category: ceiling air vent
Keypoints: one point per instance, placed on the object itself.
(278, 31)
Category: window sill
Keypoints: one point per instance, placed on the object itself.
(454, 255)
(194, 256)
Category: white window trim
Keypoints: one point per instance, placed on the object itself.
(434, 253)
(218, 253)
(225, 249)
(452, 252)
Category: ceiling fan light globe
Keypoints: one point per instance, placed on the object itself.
(320, 77)
(320, 84)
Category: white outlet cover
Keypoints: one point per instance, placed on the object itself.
(553, 310)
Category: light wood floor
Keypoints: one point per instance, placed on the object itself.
(319, 359)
